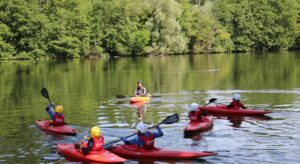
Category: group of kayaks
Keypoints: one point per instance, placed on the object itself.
(118, 153)
(220, 110)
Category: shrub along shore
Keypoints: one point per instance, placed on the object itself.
(32, 29)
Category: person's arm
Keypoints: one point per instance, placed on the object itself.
(230, 105)
(89, 147)
(134, 141)
(159, 132)
(200, 116)
(243, 106)
(135, 92)
(145, 91)
(50, 111)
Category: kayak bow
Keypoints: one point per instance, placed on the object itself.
(103, 156)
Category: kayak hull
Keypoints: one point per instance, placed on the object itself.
(199, 126)
(222, 110)
(132, 151)
(64, 129)
(134, 100)
(103, 156)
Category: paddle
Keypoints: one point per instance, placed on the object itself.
(210, 101)
(45, 94)
(169, 120)
(122, 96)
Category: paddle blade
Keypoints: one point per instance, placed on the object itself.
(45, 93)
(171, 119)
(212, 100)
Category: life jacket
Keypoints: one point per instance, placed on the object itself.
(236, 104)
(98, 143)
(148, 142)
(58, 119)
(194, 115)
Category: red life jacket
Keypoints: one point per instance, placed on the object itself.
(194, 116)
(236, 104)
(148, 142)
(58, 119)
(98, 143)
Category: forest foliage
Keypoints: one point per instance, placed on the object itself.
(74, 28)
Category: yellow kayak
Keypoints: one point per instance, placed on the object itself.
(134, 100)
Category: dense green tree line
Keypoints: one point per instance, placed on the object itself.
(73, 28)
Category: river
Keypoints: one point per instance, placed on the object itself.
(87, 90)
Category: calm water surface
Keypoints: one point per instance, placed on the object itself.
(87, 89)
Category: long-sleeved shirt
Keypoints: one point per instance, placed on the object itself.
(50, 111)
(138, 140)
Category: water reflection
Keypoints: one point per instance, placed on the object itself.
(87, 88)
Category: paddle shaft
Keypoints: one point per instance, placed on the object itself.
(211, 101)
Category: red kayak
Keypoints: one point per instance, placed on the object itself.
(103, 156)
(132, 151)
(64, 129)
(222, 110)
(200, 126)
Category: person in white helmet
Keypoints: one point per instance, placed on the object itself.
(144, 139)
(195, 113)
(236, 102)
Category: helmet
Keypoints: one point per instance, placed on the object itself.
(140, 81)
(236, 96)
(143, 128)
(59, 109)
(95, 131)
(194, 107)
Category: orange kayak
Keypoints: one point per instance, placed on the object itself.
(134, 100)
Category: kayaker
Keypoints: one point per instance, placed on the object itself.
(144, 139)
(56, 114)
(95, 142)
(141, 89)
(195, 113)
(236, 102)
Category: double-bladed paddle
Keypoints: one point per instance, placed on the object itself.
(169, 120)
